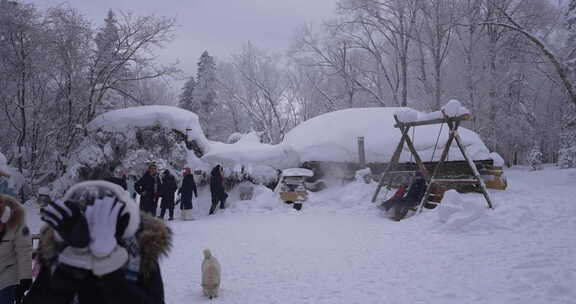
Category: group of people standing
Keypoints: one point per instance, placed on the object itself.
(152, 187)
(97, 247)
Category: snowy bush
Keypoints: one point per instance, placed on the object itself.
(128, 150)
(535, 158)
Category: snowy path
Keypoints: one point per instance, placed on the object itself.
(340, 250)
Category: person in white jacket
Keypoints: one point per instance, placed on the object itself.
(15, 251)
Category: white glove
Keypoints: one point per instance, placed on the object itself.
(102, 217)
(76, 257)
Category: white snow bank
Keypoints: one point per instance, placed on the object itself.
(333, 137)
(456, 212)
(169, 117)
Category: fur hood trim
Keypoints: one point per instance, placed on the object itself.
(17, 215)
(154, 238)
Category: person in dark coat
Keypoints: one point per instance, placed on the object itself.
(217, 189)
(186, 190)
(411, 199)
(83, 261)
(169, 187)
(149, 187)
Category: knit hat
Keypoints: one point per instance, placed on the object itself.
(85, 193)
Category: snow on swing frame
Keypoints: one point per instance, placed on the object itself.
(452, 114)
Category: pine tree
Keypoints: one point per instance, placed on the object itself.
(107, 41)
(205, 98)
(186, 100)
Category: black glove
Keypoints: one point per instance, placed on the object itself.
(22, 288)
(122, 224)
(67, 219)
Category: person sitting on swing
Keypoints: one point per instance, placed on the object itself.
(402, 203)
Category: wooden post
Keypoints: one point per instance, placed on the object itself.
(413, 151)
(474, 169)
(361, 153)
(392, 163)
(452, 126)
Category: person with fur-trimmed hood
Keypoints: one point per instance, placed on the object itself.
(99, 249)
(219, 195)
(15, 251)
(149, 187)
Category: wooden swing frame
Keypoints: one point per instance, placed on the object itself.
(453, 124)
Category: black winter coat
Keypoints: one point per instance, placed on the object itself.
(146, 187)
(188, 187)
(169, 187)
(66, 282)
(217, 184)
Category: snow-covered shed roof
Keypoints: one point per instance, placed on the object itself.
(297, 172)
(334, 137)
(249, 151)
(169, 117)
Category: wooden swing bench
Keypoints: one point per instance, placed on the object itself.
(436, 184)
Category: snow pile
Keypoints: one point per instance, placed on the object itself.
(168, 117)
(454, 108)
(334, 137)
(364, 175)
(456, 212)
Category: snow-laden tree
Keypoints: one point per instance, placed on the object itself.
(205, 98)
(186, 98)
(123, 57)
(567, 151)
(535, 158)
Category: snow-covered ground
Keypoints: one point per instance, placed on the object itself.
(340, 249)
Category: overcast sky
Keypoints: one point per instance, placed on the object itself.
(219, 26)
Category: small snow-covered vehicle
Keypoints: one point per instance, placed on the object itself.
(291, 186)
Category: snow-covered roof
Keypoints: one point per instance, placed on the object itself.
(249, 151)
(334, 137)
(170, 117)
(297, 172)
